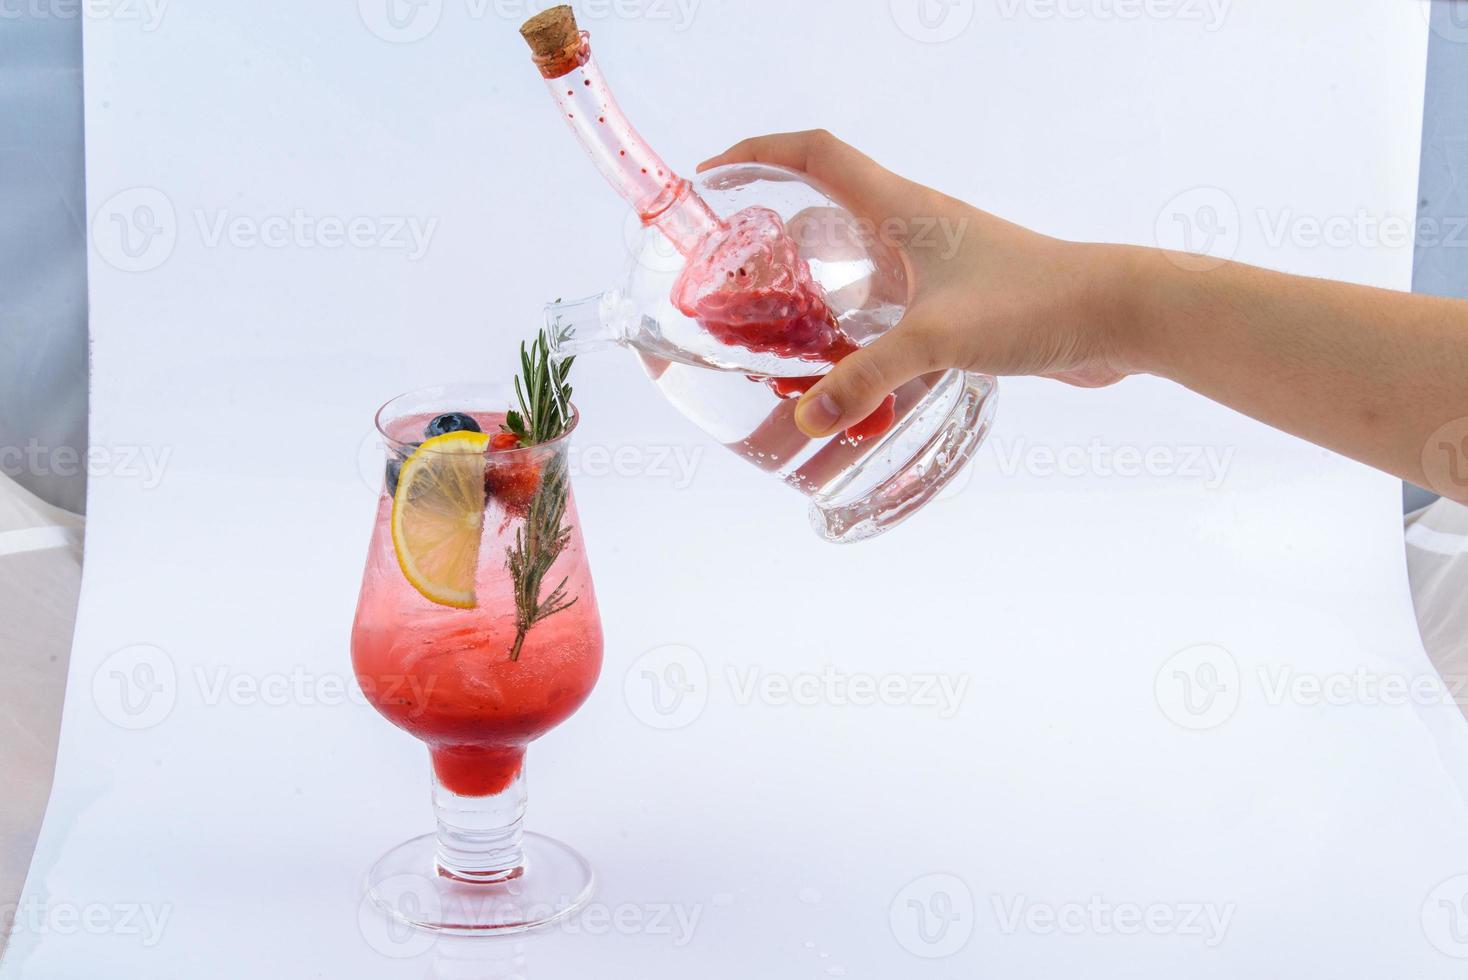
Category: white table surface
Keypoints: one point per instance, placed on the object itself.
(1067, 816)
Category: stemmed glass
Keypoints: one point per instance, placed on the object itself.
(476, 631)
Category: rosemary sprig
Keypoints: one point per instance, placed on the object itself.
(545, 406)
(545, 397)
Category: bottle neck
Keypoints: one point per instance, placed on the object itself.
(660, 197)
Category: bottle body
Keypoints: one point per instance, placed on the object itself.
(748, 283)
(745, 399)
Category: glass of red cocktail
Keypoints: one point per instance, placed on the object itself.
(477, 632)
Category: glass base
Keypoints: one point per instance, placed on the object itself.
(406, 886)
(843, 520)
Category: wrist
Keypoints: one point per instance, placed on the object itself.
(1123, 285)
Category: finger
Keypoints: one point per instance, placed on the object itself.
(856, 386)
(855, 178)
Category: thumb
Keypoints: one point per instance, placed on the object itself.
(860, 382)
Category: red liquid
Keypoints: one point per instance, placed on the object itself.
(445, 675)
(749, 287)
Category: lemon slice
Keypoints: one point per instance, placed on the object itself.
(438, 517)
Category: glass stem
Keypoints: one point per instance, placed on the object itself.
(479, 837)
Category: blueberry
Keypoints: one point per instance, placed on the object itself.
(395, 460)
(452, 422)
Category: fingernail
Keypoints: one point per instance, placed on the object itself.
(817, 416)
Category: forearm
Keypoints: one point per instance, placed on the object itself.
(1369, 373)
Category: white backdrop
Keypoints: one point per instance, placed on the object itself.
(1129, 775)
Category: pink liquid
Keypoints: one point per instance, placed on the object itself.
(748, 286)
(445, 675)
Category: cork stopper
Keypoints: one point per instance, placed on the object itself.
(552, 32)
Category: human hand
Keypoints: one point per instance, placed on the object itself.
(985, 296)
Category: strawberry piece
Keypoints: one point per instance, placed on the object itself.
(513, 482)
(876, 423)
